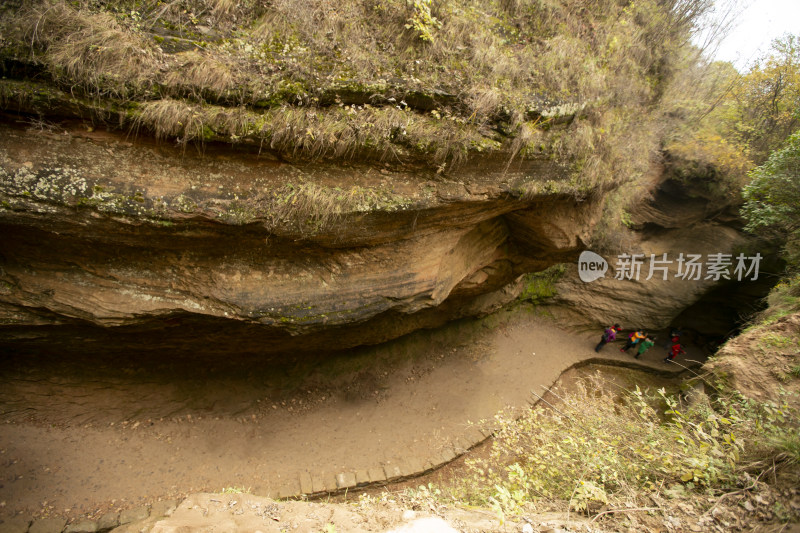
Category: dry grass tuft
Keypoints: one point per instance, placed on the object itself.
(90, 49)
(202, 75)
(478, 81)
(313, 208)
(223, 8)
(335, 133)
(175, 119)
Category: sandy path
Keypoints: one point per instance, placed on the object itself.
(77, 445)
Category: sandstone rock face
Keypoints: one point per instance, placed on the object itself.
(110, 244)
(679, 219)
(653, 303)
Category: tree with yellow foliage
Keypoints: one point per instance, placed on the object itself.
(766, 104)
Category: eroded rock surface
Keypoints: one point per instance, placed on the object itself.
(109, 242)
(681, 220)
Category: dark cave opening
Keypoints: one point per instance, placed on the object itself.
(725, 310)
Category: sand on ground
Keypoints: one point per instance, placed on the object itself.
(80, 438)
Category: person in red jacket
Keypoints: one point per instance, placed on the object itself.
(674, 352)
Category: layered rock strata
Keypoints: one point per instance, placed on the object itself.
(116, 244)
(680, 222)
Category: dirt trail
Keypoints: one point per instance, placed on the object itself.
(79, 441)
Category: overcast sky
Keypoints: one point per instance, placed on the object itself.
(758, 22)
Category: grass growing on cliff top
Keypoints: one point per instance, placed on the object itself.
(91, 50)
(384, 134)
(783, 300)
(538, 78)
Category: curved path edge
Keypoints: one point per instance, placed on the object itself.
(304, 487)
(474, 437)
(533, 346)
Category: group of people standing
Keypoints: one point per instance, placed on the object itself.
(643, 342)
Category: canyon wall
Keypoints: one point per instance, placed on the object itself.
(116, 244)
(676, 221)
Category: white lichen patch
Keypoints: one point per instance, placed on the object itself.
(58, 184)
(184, 204)
(563, 110)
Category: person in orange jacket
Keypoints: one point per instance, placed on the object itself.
(633, 339)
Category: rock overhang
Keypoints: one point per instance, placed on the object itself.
(109, 232)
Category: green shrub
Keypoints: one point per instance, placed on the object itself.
(540, 286)
(600, 444)
(783, 300)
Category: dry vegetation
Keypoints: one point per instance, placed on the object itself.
(765, 358)
(639, 459)
(91, 51)
(391, 80)
(310, 208)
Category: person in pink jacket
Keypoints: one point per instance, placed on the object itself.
(609, 335)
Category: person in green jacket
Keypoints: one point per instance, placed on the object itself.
(644, 346)
(633, 340)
